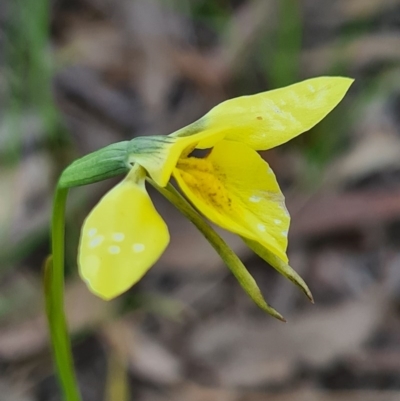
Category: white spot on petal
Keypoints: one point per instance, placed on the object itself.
(276, 125)
(311, 88)
(96, 241)
(118, 237)
(92, 232)
(293, 96)
(114, 250)
(277, 221)
(138, 248)
(270, 170)
(254, 198)
(285, 233)
(261, 227)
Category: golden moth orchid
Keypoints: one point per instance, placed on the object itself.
(232, 185)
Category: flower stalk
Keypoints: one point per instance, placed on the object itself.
(54, 299)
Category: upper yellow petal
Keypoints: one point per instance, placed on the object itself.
(121, 239)
(235, 188)
(269, 119)
(261, 121)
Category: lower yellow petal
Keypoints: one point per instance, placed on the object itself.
(236, 189)
(121, 239)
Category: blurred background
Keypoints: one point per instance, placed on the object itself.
(76, 75)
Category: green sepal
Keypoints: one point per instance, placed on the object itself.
(279, 266)
(230, 258)
(97, 166)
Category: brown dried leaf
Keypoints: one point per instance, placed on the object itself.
(332, 213)
(252, 353)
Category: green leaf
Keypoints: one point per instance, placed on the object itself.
(97, 166)
(279, 265)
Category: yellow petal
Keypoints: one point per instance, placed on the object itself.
(236, 189)
(268, 119)
(159, 154)
(262, 121)
(121, 239)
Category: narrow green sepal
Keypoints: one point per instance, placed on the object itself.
(279, 266)
(243, 276)
(230, 258)
(97, 166)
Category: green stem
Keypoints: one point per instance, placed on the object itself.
(54, 297)
(233, 262)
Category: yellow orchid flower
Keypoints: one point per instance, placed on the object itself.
(232, 185)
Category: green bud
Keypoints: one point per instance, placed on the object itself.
(97, 166)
